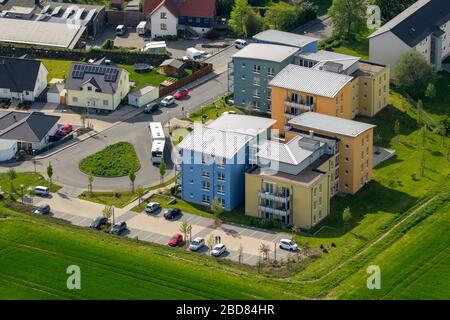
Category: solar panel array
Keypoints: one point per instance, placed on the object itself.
(79, 70)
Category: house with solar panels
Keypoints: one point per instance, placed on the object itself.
(98, 86)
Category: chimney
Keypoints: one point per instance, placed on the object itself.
(311, 134)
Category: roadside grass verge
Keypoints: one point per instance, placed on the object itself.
(115, 160)
(27, 179)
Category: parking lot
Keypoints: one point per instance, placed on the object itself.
(154, 228)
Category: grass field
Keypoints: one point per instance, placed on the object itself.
(27, 179)
(152, 77)
(57, 68)
(113, 161)
(116, 199)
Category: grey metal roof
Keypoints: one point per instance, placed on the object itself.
(178, 64)
(317, 82)
(323, 56)
(418, 21)
(215, 142)
(143, 91)
(284, 38)
(18, 74)
(249, 125)
(29, 127)
(266, 52)
(318, 121)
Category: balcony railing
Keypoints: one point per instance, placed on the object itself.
(278, 212)
(274, 196)
(297, 105)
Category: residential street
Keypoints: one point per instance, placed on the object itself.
(154, 228)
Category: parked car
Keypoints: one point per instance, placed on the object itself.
(197, 244)
(182, 93)
(218, 250)
(64, 130)
(287, 244)
(239, 43)
(167, 101)
(172, 213)
(121, 30)
(229, 112)
(98, 222)
(152, 207)
(119, 227)
(151, 107)
(175, 240)
(41, 191)
(43, 209)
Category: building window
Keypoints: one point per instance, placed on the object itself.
(256, 93)
(347, 146)
(205, 173)
(205, 158)
(191, 181)
(269, 93)
(74, 99)
(163, 26)
(256, 81)
(89, 88)
(346, 186)
(243, 77)
(256, 105)
(220, 189)
(222, 202)
(256, 68)
(220, 162)
(163, 15)
(347, 159)
(205, 198)
(244, 65)
(270, 71)
(205, 185)
(220, 176)
(346, 172)
(105, 102)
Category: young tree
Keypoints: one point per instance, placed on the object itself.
(390, 8)
(378, 140)
(442, 131)
(423, 135)
(184, 227)
(280, 16)
(254, 23)
(50, 173)
(83, 119)
(422, 165)
(397, 129)
(189, 231)
(140, 193)
(413, 73)
(347, 215)
(240, 252)
(216, 208)
(90, 181)
(430, 92)
(348, 17)
(264, 250)
(107, 212)
(210, 242)
(12, 175)
(132, 177)
(239, 14)
(162, 170)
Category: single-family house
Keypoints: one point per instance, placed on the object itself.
(22, 79)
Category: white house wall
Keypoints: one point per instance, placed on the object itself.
(171, 22)
(41, 81)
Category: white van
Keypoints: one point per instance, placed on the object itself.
(239, 43)
(41, 191)
(194, 54)
(121, 30)
(141, 28)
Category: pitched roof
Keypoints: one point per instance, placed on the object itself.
(175, 63)
(189, 8)
(103, 77)
(215, 142)
(266, 52)
(322, 122)
(317, 82)
(18, 74)
(418, 21)
(284, 38)
(22, 126)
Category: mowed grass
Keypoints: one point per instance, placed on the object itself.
(417, 266)
(27, 179)
(116, 199)
(36, 253)
(143, 79)
(113, 161)
(58, 69)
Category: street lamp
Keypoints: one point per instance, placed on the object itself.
(21, 191)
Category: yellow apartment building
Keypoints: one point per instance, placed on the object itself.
(355, 147)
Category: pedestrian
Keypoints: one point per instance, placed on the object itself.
(216, 238)
(220, 239)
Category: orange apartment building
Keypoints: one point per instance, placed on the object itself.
(355, 140)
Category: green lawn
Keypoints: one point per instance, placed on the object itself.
(213, 111)
(143, 79)
(27, 179)
(57, 68)
(116, 199)
(323, 6)
(178, 135)
(113, 161)
(435, 107)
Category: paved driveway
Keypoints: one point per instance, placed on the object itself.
(154, 228)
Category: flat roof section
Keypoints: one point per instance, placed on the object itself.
(240, 123)
(284, 38)
(266, 52)
(40, 33)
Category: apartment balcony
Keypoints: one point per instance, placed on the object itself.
(278, 212)
(299, 106)
(274, 197)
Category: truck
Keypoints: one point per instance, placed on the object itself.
(194, 54)
(142, 28)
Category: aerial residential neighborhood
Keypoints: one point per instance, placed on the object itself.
(224, 150)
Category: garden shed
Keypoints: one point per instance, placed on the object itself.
(143, 96)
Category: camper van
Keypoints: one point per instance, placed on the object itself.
(239, 43)
(142, 28)
(194, 54)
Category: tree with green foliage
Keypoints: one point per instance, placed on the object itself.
(348, 17)
(12, 175)
(240, 252)
(442, 131)
(280, 16)
(216, 208)
(347, 215)
(132, 177)
(413, 73)
(430, 92)
(162, 170)
(423, 136)
(391, 8)
(107, 212)
(238, 17)
(210, 242)
(224, 7)
(184, 227)
(90, 181)
(50, 174)
(378, 140)
(254, 23)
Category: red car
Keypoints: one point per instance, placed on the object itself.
(175, 240)
(180, 94)
(64, 130)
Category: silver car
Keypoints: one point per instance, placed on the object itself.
(218, 250)
(197, 244)
(167, 101)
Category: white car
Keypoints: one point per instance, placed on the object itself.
(287, 244)
(167, 101)
(197, 244)
(229, 112)
(152, 207)
(218, 250)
